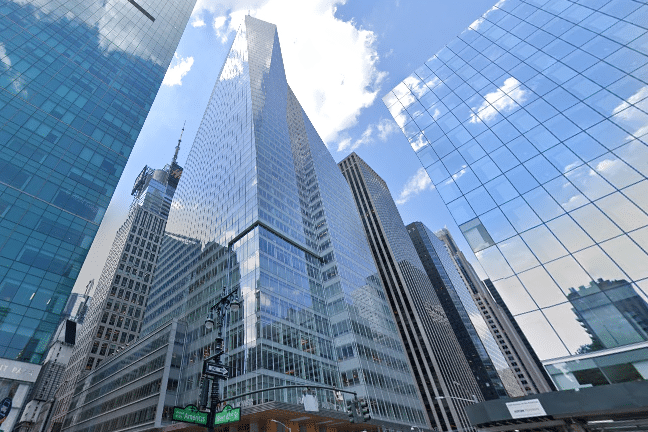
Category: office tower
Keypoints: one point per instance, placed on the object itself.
(76, 82)
(494, 376)
(522, 360)
(262, 210)
(531, 125)
(37, 411)
(115, 317)
(444, 375)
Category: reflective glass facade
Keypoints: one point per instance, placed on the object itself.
(532, 126)
(477, 343)
(262, 209)
(444, 374)
(77, 79)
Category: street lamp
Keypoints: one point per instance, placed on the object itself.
(419, 429)
(277, 421)
(458, 398)
(232, 302)
(474, 398)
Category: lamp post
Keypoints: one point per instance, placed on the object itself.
(232, 301)
(474, 398)
(419, 429)
(458, 398)
(277, 421)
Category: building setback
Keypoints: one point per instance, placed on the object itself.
(262, 210)
(77, 80)
(115, 316)
(443, 374)
(531, 125)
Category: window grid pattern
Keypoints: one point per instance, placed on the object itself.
(532, 125)
(76, 82)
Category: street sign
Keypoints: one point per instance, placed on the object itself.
(228, 415)
(216, 370)
(190, 414)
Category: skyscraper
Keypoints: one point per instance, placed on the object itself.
(444, 373)
(531, 125)
(115, 316)
(523, 361)
(494, 376)
(76, 82)
(262, 210)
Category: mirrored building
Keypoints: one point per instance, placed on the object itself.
(452, 370)
(531, 124)
(77, 79)
(263, 210)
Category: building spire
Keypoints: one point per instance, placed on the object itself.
(175, 156)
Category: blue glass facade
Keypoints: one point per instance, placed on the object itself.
(77, 79)
(532, 126)
(262, 209)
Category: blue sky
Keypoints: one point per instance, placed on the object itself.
(341, 57)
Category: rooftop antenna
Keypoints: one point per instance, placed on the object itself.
(175, 156)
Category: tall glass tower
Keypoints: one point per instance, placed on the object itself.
(449, 371)
(532, 126)
(77, 79)
(262, 209)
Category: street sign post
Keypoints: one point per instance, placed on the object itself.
(190, 414)
(228, 415)
(215, 370)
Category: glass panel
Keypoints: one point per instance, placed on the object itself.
(494, 263)
(638, 194)
(437, 172)
(454, 162)
(632, 260)
(565, 193)
(504, 159)
(517, 254)
(598, 264)
(615, 170)
(541, 169)
(485, 169)
(466, 180)
(543, 244)
(476, 235)
(520, 214)
(480, 200)
(569, 233)
(461, 211)
(515, 296)
(497, 225)
(448, 190)
(635, 153)
(541, 335)
(522, 148)
(585, 147)
(563, 158)
(472, 151)
(521, 179)
(623, 212)
(595, 223)
(542, 288)
(567, 273)
(590, 183)
(543, 204)
(570, 330)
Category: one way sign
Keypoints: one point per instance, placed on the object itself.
(215, 370)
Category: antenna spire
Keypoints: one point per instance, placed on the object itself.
(175, 156)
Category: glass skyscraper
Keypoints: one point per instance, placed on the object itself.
(450, 375)
(531, 124)
(262, 209)
(77, 79)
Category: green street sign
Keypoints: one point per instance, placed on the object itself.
(228, 415)
(190, 414)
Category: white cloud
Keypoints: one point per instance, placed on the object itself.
(197, 22)
(381, 130)
(178, 69)
(416, 184)
(629, 117)
(500, 101)
(331, 65)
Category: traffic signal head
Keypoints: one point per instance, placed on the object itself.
(351, 410)
(364, 410)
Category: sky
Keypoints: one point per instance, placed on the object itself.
(341, 57)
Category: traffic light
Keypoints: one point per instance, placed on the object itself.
(351, 410)
(364, 410)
